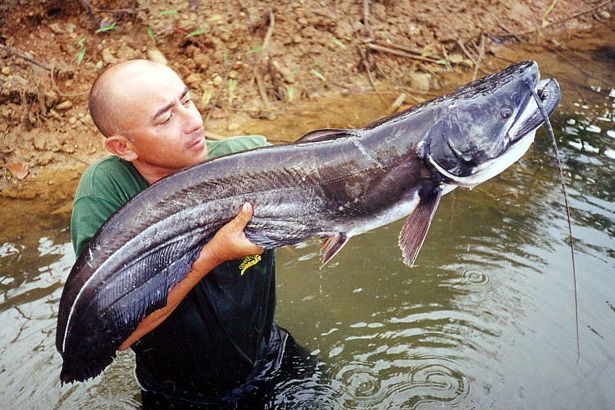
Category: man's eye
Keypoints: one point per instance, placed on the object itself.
(165, 121)
(187, 101)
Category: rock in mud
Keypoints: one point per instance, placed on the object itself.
(64, 105)
(420, 81)
(107, 56)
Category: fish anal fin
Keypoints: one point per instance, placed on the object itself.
(415, 227)
(326, 134)
(331, 246)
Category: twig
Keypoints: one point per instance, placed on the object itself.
(547, 12)
(184, 32)
(365, 63)
(378, 47)
(563, 20)
(481, 54)
(269, 33)
(130, 11)
(366, 25)
(448, 63)
(261, 88)
(88, 8)
(399, 101)
(466, 52)
(23, 56)
(407, 50)
(509, 31)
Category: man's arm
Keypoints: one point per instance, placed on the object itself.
(229, 243)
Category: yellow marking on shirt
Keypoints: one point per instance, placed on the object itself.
(248, 262)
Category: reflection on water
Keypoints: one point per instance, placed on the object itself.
(485, 319)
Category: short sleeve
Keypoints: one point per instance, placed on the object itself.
(89, 214)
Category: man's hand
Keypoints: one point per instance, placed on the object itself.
(230, 241)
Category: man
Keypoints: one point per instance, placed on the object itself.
(215, 340)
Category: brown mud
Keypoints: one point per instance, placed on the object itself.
(277, 69)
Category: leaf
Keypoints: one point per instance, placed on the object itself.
(18, 169)
(151, 34)
(168, 12)
(196, 32)
(99, 64)
(337, 42)
(107, 27)
(232, 87)
(290, 91)
(206, 98)
(80, 55)
(256, 49)
(317, 74)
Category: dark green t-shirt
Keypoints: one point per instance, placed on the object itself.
(221, 331)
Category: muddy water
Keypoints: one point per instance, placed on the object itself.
(485, 319)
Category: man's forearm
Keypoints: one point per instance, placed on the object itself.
(229, 243)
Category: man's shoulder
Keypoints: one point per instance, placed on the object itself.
(109, 173)
(235, 144)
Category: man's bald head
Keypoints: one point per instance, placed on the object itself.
(105, 102)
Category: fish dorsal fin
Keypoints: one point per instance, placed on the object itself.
(331, 246)
(415, 227)
(326, 134)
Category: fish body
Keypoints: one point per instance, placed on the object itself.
(334, 183)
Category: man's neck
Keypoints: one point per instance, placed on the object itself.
(152, 174)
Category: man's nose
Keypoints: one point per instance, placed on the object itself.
(192, 118)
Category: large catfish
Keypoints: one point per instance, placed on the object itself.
(334, 183)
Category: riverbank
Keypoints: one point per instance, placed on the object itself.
(255, 70)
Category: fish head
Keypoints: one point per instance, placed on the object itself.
(488, 125)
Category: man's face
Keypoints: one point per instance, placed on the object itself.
(161, 121)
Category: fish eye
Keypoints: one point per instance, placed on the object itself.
(506, 112)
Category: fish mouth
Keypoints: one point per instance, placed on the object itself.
(519, 137)
(530, 117)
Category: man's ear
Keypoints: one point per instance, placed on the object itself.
(121, 146)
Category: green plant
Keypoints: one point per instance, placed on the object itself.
(232, 87)
(318, 74)
(150, 34)
(81, 52)
(107, 27)
(196, 32)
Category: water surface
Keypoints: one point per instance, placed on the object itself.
(486, 318)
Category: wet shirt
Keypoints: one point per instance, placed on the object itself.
(219, 333)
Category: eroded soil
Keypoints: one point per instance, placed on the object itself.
(253, 67)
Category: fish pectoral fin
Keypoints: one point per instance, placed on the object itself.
(415, 227)
(331, 246)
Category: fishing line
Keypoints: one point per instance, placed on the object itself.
(571, 238)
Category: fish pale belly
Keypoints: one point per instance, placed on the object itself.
(358, 226)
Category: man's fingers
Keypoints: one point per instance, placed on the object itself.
(244, 216)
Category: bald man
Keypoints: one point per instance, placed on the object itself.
(215, 340)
